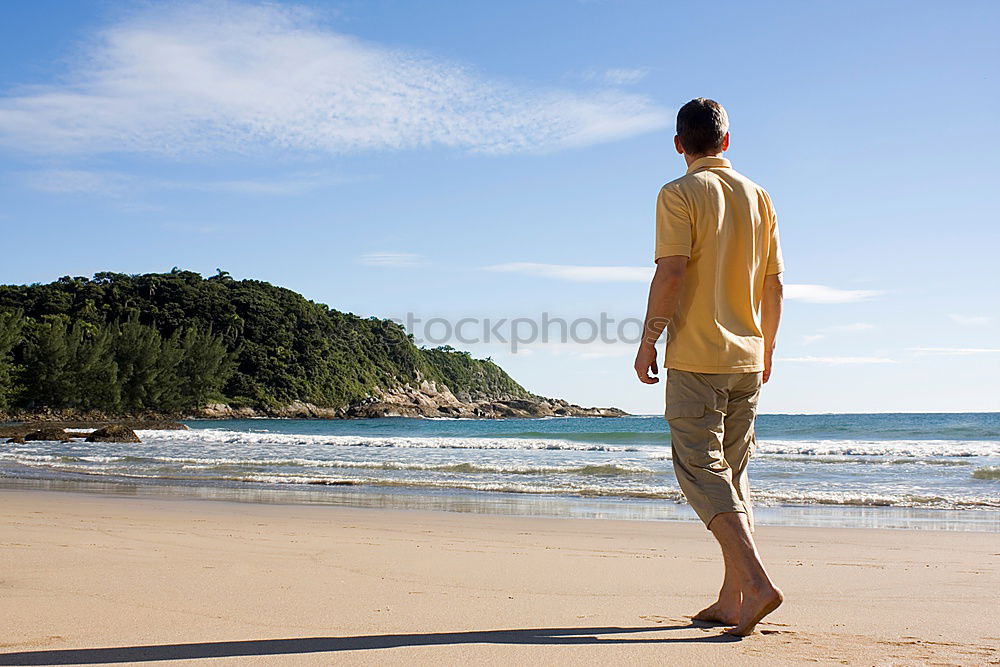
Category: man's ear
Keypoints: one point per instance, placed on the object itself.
(677, 144)
(725, 142)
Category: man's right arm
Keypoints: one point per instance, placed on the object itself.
(770, 315)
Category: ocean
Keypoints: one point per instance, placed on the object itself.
(878, 470)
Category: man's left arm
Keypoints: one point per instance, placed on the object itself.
(664, 294)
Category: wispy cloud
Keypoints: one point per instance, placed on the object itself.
(291, 185)
(197, 228)
(853, 327)
(78, 181)
(400, 260)
(234, 77)
(837, 361)
(970, 320)
(955, 350)
(116, 184)
(617, 76)
(593, 350)
(641, 274)
(850, 328)
(824, 294)
(577, 274)
(588, 351)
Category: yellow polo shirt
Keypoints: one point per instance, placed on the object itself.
(725, 224)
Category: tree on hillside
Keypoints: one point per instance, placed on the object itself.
(205, 366)
(70, 365)
(11, 326)
(175, 340)
(141, 371)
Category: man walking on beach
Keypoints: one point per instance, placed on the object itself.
(717, 290)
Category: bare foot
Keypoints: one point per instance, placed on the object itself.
(719, 612)
(756, 605)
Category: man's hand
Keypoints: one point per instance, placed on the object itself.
(768, 356)
(645, 363)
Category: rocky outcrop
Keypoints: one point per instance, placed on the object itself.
(113, 433)
(41, 430)
(108, 433)
(23, 421)
(48, 433)
(430, 400)
(224, 411)
(294, 410)
(424, 399)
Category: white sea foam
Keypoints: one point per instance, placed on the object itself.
(501, 486)
(653, 492)
(938, 473)
(609, 469)
(466, 479)
(241, 439)
(898, 448)
(870, 499)
(901, 448)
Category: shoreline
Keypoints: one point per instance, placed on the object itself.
(499, 503)
(871, 472)
(100, 579)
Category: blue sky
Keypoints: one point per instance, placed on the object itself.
(501, 160)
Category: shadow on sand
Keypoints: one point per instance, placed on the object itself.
(265, 647)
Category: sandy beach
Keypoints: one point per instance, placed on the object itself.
(88, 578)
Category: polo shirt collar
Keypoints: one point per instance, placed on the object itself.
(709, 162)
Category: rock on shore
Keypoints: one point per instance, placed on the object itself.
(35, 428)
(21, 433)
(113, 433)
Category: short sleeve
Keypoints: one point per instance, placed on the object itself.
(775, 262)
(673, 224)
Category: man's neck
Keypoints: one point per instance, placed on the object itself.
(690, 159)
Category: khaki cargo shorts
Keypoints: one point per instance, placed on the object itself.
(711, 419)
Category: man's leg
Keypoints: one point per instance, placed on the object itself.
(738, 438)
(726, 609)
(759, 594)
(737, 442)
(705, 477)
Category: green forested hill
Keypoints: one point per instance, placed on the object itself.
(175, 341)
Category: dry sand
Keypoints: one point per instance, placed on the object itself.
(89, 579)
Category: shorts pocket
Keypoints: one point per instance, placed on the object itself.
(686, 409)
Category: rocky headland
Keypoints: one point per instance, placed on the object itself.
(127, 349)
(427, 399)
